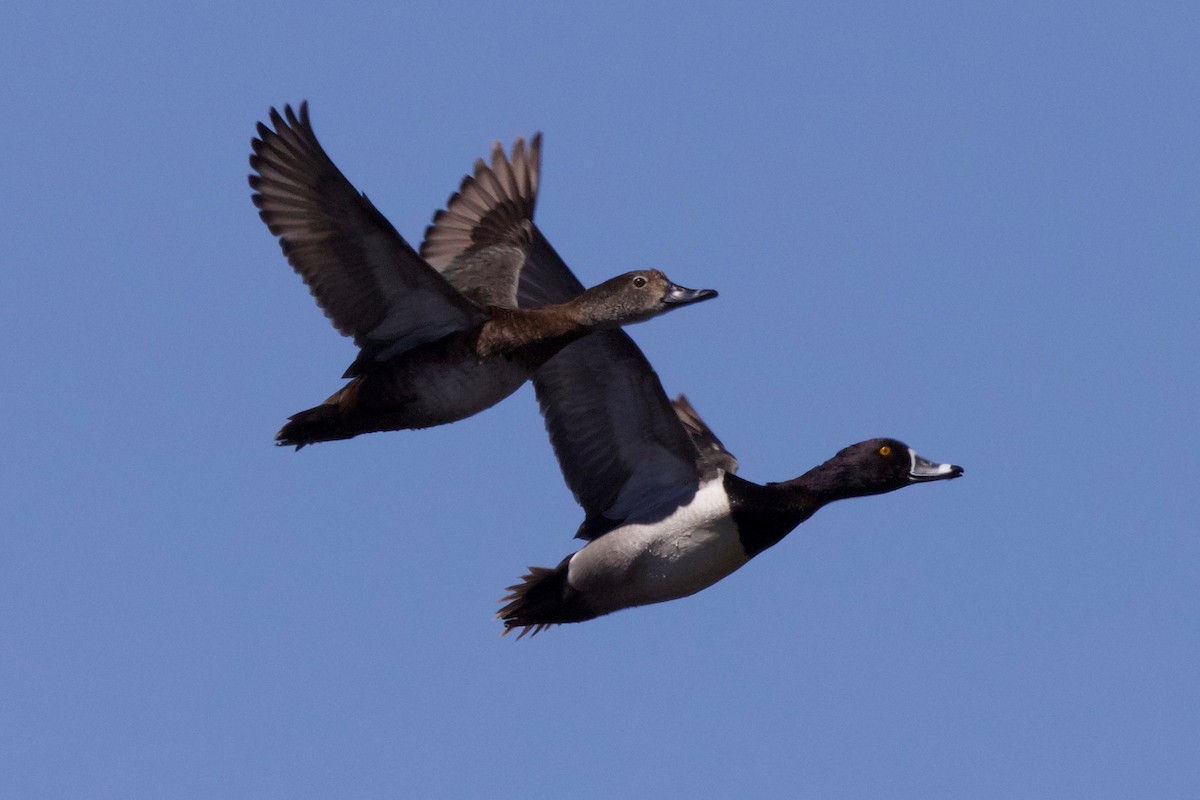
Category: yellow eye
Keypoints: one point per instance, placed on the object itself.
(885, 451)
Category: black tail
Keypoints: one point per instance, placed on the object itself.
(542, 598)
(324, 423)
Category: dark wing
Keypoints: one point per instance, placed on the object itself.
(623, 452)
(545, 277)
(366, 278)
(480, 241)
(712, 451)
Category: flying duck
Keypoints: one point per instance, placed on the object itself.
(661, 535)
(439, 333)
(666, 513)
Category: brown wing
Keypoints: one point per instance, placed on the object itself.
(483, 237)
(369, 281)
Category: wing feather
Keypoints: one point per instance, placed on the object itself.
(480, 241)
(365, 277)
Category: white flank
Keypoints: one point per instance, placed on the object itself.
(641, 563)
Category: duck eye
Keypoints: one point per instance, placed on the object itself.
(639, 282)
(885, 451)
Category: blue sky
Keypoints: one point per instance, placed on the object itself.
(971, 228)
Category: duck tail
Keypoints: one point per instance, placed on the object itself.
(322, 423)
(542, 598)
(339, 417)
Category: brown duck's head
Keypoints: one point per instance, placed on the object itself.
(636, 296)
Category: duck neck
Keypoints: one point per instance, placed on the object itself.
(766, 513)
(545, 330)
(590, 313)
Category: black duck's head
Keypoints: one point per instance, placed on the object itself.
(877, 466)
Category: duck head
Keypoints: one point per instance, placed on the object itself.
(636, 296)
(877, 466)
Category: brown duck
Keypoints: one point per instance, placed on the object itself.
(428, 353)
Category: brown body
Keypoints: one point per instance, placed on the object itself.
(443, 381)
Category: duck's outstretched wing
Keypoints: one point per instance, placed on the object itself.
(623, 451)
(485, 241)
(369, 281)
(482, 239)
